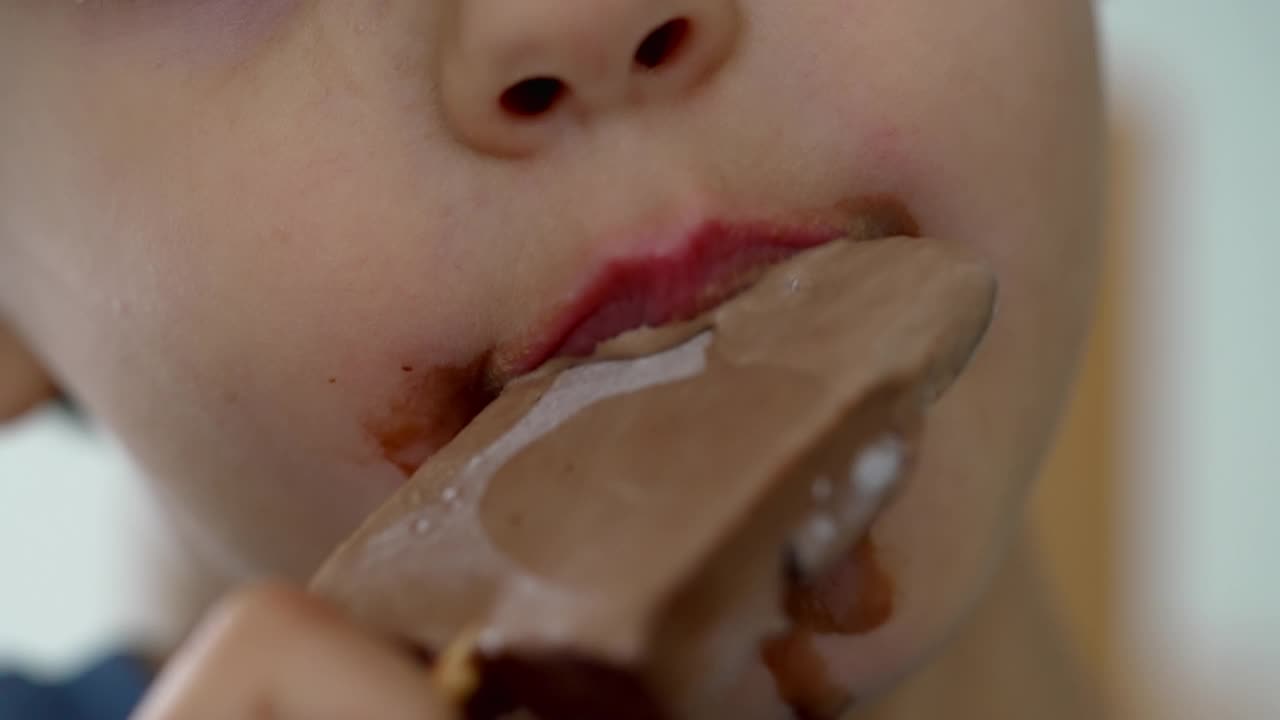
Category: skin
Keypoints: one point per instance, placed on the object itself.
(258, 239)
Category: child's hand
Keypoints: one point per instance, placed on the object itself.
(274, 651)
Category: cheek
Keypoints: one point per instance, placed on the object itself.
(179, 31)
(246, 298)
(279, 363)
(276, 431)
(321, 360)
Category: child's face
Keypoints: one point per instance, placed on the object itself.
(285, 248)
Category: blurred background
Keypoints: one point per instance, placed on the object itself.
(1157, 506)
(1156, 509)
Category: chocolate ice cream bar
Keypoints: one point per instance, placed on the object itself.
(615, 537)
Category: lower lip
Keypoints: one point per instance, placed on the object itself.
(719, 261)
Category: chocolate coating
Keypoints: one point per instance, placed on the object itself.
(615, 530)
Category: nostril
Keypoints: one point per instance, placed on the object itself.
(532, 97)
(663, 44)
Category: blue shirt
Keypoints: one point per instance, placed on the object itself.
(106, 690)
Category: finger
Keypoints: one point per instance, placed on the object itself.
(276, 652)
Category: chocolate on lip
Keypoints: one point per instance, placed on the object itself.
(714, 262)
(618, 534)
(718, 261)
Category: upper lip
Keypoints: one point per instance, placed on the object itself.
(710, 263)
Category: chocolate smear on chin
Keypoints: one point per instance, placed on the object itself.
(854, 597)
(615, 536)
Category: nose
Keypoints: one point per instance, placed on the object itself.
(516, 74)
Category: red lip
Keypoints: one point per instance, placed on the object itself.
(713, 262)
